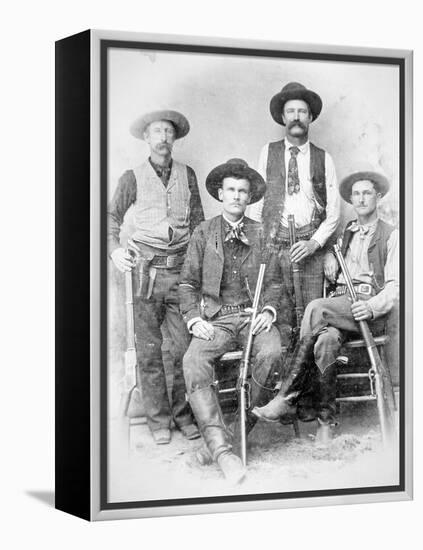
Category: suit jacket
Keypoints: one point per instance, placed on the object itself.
(201, 275)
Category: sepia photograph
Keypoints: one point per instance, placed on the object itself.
(253, 255)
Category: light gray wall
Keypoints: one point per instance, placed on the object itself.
(226, 100)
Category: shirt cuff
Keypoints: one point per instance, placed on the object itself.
(272, 310)
(318, 240)
(192, 322)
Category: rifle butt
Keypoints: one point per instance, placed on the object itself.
(242, 426)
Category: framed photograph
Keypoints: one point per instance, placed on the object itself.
(188, 378)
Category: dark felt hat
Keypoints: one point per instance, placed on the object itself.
(236, 168)
(380, 182)
(139, 126)
(294, 90)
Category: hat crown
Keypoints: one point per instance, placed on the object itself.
(237, 162)
(293, 87)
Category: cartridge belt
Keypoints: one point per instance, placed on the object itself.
(303, 234)
(167, 262)
(362, 288)
(228, 309)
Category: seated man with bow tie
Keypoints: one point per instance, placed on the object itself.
(370, 249)
(216, 285)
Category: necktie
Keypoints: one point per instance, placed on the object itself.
(236, 232)
(293, 179)
(362, 229)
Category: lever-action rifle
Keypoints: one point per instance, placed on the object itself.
(128, 383)
(382, 379)
(296, 276)
(243, 385)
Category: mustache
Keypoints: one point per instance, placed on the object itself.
(296, 123)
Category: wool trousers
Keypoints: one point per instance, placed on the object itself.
(150, 314)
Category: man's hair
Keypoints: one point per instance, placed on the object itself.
(308, 106)
(237, 174)
(375, 186)
(162, 120)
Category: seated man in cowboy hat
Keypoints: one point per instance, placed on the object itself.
(301, 182)
(166, 209)
(370, 249)
(217, 280)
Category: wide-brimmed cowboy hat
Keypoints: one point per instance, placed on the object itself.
(380, 182)
(294, 90)
(139, 126)
(236, 168)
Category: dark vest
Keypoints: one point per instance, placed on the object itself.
(274, 199)
(377, 252)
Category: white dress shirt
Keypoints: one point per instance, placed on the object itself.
(303, 203)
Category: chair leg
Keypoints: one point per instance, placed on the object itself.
(296, 428)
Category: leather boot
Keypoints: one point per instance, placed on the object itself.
(284, 403)
(327, 406)
(206, 408)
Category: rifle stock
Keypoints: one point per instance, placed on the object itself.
(382, 379)
(243, 386)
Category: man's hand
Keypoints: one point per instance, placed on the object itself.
(122, 259)
(202, 329)
(361, 311)
(262, 322)
(300, 250)
(330, 267)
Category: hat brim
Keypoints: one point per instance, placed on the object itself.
(380, 182)
(139, 126)
(277, 102)
(218, 174)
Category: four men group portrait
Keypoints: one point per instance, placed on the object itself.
(196, 279)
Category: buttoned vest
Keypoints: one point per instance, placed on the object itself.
(377, 252)
(158, 208)
(274, 198)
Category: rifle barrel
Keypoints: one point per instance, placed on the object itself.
(382, 380)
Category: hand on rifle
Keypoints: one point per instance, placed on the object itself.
(330, 267)
(263, 321)
(202, 329)
(302, 249)
(361, 311)
(122, 259)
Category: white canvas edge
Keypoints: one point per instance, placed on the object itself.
(251, 505)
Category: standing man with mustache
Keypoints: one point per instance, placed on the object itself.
(166, 209)
(301, 181)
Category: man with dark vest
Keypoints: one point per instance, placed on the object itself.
(370, 249)
(217, 281)
(166, 207)
(301, 181)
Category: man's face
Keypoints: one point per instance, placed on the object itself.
(235, 196)
(297, 118)
(364, 197)
(160, 135)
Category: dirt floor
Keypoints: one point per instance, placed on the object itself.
(277, 461)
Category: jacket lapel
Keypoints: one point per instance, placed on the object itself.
(217, 238)
(250, 231)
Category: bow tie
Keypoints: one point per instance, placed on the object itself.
(363, 230)
(236, 232)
